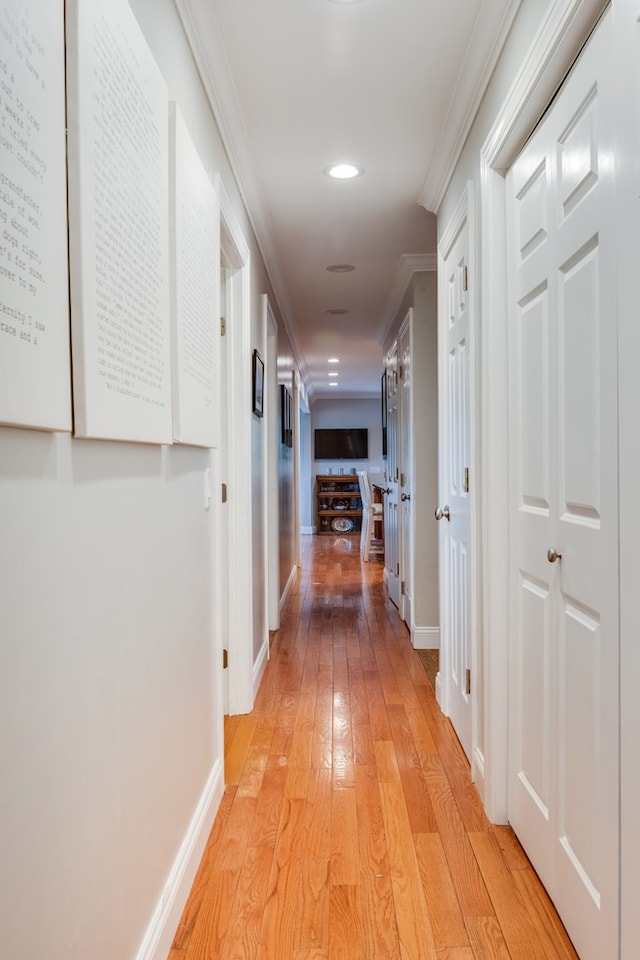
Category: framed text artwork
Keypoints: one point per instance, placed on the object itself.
(194, 229)
(258, 384)
(118, 150)
(35, 371)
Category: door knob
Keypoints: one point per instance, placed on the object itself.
(443, 512)
(385, 490)
(553, 555)
(405, 496)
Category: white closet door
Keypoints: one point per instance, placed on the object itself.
(392, 471)
(564, 697)
(406, 472)
(455, 525)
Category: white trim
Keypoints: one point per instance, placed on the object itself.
(478, 766)
(561, 34)
(240, 559)
(166, 916)
(425, 638)
(473, 80)
(287, 587)
(308, 531)
(557, 43)
(271, 446)
(205, 39)
(297, 468)
(260, 666)
(408, 265)
(440, 694)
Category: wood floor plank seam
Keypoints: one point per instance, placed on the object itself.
(349, 828)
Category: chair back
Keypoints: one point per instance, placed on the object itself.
(365, 489)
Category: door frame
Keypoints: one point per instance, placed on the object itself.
(240, 559)
(567, 25)
(271, 441)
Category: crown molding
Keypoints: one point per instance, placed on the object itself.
(408, 265)
(489, 33)
(203, 33)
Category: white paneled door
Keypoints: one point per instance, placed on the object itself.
(406, 471)
(392, 471)
(564, 698)
(453, 511)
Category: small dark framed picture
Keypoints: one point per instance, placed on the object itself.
(286, 431)
(258, 384)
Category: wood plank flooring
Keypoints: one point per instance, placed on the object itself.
(349, 828)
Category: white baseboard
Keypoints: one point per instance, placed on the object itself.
(259, 667)
(477, 771)
(287, 588)
(425, 638)
(440, 693)
(308, 531)
(166, 917)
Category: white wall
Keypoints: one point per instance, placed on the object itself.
(110, 706)
(107, 704)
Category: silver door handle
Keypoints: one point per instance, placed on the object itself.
(553, 555)
(443, 512)
(406, 496)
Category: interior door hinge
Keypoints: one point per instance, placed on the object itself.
(225, 659)
(224, 493)
(400, 372)
(465, 278)
(403, 591)
(397, 569)
(223, 326)
(468, 683)
(466, 479)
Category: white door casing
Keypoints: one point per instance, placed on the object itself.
(272, 441)
(223, 513)
(406, 470)
(236, 257)
(564, 619)
(454, 513)
(392, 528)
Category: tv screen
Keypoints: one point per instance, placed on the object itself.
(342, 444)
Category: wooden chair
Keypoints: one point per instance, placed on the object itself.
(371, 512)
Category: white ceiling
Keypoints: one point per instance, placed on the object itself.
(388, 85)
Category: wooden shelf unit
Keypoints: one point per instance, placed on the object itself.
(338, 500)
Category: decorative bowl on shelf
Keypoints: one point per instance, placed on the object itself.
(340, 505)
(342, 524)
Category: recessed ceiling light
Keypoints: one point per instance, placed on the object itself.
(333, 360)
(333, 374)
(337, 312)
(334, 383)
(340, 267)
(343, 171)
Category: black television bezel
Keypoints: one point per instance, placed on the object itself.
(341, 451)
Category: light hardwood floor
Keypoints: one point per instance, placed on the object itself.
(349, 826)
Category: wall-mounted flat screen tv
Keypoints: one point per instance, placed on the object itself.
(341, 444)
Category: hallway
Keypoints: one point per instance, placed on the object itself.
(349, 827)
